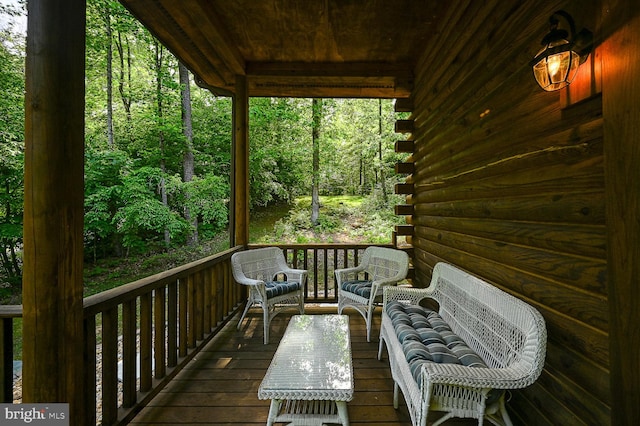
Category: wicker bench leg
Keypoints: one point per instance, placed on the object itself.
(273, 411)
(343, 413)
(395, 394)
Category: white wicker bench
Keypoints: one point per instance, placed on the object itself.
(506, 333)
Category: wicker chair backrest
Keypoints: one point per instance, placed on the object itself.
(381, 262)
(502, 329)
(259, 264)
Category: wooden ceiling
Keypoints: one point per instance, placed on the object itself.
(298, 48)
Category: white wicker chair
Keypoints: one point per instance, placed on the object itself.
(259, 269)
(507, 333)
(363, 284)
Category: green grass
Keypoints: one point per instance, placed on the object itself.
(333, 201)
(342, 219)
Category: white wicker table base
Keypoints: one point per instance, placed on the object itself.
(308, 413)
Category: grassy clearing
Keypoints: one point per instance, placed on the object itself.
(342, 219)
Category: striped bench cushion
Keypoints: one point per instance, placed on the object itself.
(278, 288)
(426, 337)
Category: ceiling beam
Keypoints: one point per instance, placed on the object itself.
(302, 79)
(328, 69)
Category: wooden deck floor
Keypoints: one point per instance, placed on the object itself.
(220, 386)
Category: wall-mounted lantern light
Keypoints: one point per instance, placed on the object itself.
(555, 66)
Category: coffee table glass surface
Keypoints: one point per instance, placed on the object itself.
(310, 378)
(313, 361)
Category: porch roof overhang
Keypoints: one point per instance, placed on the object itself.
(294, 48)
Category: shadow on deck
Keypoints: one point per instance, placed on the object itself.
(220, 386)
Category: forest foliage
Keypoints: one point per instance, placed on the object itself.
(138, 198)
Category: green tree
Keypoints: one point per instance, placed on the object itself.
(358, 154)
(11, 147)
(143, 221)
(279, 140)
(105, 171)
(187, 157)
(315, 172)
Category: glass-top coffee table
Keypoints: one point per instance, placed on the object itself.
(310, 378)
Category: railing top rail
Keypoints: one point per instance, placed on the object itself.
(10, 311)
(321, 245)
(112, 298)
(116, 296)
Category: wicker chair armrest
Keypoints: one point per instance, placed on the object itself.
(387, 281)
(298, 274)
(410, 295)
(343, 273)
(352, 270)
(248, 281)
(461, 375)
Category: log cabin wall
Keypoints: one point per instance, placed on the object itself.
(508, 183)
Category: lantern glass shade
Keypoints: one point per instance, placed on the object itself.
(556, 67)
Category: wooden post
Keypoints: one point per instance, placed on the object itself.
(239, 219)
(53, 206)
(620, 94)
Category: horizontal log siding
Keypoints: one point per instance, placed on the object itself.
(509, 185)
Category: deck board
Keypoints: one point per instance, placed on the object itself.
(220, 386)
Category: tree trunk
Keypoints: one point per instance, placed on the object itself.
(107, 19)
(187, 160)
(315, 178)
(124, 78)
(383, 182)
(163, 166)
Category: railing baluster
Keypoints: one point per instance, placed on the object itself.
(206, 309)
(146, 326)
(159, 332)
(199, 307)
(305, 263)
(228, 284)
(315, 273)
(294, 260)
(333, 277)
(191, 312)
(110, 366)
(129, 353)
(215, 297)
(325, 272)
(345, 258)
(172, 324)
(6, 357)
(182, 312)
(90, 378)
(219, 292)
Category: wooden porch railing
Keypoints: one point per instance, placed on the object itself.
(140, 335)
(158, 323)
(321, 260)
